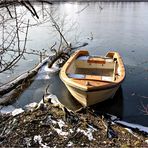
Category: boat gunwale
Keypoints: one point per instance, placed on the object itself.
(108, 85)
(101, 88)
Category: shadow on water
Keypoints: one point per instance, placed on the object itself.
(59, 89)
(121, 105)
(113, 106)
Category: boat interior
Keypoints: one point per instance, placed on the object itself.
(93, 68)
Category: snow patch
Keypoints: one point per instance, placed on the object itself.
(27, 141)
(17, 111)
(71, 131)
(69, 143)
(61, 123)
(38, 138)
(60, 132)
(50, 133)
(113, 117)
(51, 70)
(146, 141)
(41, 102)
(87, 133)
(130, 131)
(135, 126)
(49, 120)
(31, 106)
(11, 110)
(44, 72)
(43, 77)
(7, 109)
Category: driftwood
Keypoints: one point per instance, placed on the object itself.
(10, 90)
(14, 83)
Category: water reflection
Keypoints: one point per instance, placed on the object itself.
(119, 26)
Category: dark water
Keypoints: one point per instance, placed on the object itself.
(127, 104)
(122, 27)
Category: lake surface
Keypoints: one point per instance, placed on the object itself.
(122, 27)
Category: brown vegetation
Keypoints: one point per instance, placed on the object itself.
(50, 126)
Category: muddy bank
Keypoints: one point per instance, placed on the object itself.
(47, 125)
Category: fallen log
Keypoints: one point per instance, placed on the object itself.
(12, 96)
(20, 79)
(9, 90)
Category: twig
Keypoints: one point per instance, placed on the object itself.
(82, 9)
(57, 27)
(29, 6)
(17, 30)
(9, 11)
(26, 35)
(145, 108)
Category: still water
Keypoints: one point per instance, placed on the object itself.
(122, 27)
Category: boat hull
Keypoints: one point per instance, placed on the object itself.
(93, 79)
(88, 98)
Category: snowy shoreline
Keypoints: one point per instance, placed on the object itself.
(11, 110)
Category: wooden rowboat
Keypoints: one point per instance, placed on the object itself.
(93, 79)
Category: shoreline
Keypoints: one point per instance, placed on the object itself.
(48, 125)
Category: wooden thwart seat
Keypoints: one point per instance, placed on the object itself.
(96, 60)
(90, 77)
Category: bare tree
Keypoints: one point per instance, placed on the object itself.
(12, 46)
(12, 28)
(61, 27)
